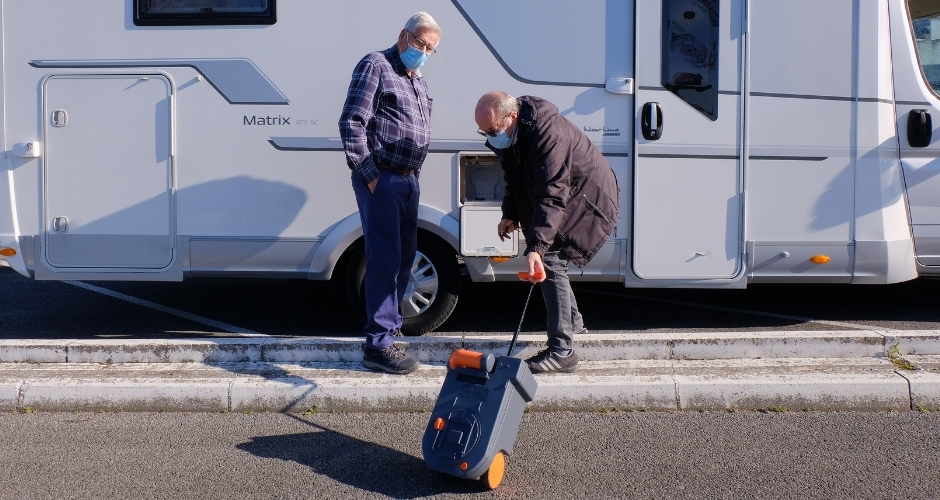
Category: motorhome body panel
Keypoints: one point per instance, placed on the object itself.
(823, 166)
(802, 157)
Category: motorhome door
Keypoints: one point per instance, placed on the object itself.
(915, 33)
(107, 172)
(688, 171)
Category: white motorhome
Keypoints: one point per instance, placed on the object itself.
(753, 140)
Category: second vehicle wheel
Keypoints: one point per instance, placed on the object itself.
(494, 475)
(432, 290)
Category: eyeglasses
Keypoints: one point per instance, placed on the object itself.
(421, 45)
(491, 134)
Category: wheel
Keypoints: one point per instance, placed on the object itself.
(494, 475)
(432, 291)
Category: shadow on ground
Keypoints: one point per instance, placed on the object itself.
(360, 464)
(32, 309)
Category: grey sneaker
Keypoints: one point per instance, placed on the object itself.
(391, 359)
(548, 361)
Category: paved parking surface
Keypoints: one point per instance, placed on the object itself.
(557, 455)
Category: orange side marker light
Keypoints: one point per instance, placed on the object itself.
(7, 252)
(820, 259)
(439, 424)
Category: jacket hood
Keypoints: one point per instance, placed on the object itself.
(535, 112)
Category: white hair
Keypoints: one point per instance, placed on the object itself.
(422, 20)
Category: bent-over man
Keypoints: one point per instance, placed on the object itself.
(564, 196)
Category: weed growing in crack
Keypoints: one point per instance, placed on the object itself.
(313, 410)
(898, 360)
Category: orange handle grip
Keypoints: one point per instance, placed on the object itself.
(466, 359)
(525, 275)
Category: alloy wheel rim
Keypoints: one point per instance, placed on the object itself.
(422, 287)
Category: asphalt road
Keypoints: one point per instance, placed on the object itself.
(557, 455)
(53, 310)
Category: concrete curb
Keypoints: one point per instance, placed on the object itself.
(834, 370)
(794, 384)
(436, 349)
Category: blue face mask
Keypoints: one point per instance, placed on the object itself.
(501, 141)
(413, 58)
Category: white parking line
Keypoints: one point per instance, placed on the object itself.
(169, 310)
(841, 324)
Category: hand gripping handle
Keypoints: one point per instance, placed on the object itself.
(524, 275)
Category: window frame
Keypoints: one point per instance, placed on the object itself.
(142, 18)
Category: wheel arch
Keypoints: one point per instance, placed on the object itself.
(342, 236)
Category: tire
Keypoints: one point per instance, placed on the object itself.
(432, 294)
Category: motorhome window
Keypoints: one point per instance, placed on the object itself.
(925, 18)
(556, 42)
(203, 12)
(690, 53)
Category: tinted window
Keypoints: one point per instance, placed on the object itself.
(690, 53)
(191, 12)
(925, 17)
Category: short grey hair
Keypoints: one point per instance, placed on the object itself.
(501, 102)
(422, 20)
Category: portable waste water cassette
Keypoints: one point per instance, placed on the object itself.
(477, 415)
(476, 418)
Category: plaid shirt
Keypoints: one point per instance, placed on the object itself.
(386, 119)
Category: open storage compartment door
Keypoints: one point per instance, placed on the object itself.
(481, 193)
(478, 236)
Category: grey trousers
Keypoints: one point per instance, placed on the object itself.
(564, 320)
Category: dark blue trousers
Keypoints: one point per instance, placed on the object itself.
(390, 226)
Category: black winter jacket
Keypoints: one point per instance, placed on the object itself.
(559, 188)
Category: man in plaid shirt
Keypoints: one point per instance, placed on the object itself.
(386, 129)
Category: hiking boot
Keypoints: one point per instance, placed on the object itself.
(391, 359)
(548, 361)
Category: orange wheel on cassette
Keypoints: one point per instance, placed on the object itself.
(494, 475)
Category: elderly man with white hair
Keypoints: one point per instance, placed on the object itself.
(386, 128)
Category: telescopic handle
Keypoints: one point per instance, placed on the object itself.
(516, 335)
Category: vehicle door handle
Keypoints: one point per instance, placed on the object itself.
(60, 224)
(651, 121)
(919, 128)
(60, 118)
